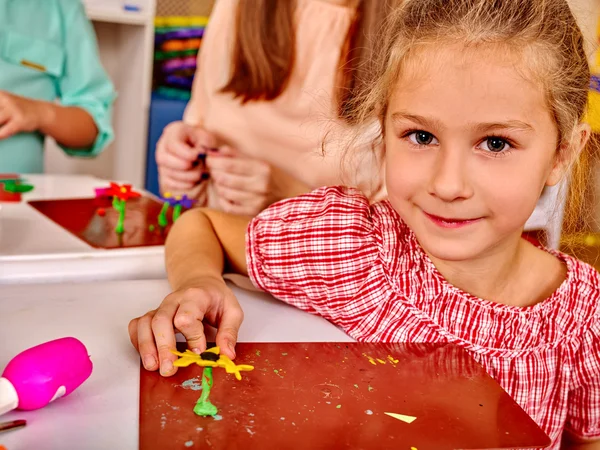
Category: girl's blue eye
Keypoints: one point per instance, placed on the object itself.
(422, 138)
(495, 144)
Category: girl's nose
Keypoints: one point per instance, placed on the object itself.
(449, 179)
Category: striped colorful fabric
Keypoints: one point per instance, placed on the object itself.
(359, 266)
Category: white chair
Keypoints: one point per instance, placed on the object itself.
(549, 213)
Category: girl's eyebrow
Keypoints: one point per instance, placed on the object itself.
(424, 121)
(516, 125)
(432, 123)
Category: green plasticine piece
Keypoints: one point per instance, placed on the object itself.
(119, 205)
(162, 217)
(176, 212)
(12, 187)
(203, 406)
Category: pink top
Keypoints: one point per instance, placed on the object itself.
(360, 267)
(288, 131)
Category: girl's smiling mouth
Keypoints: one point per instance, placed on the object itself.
(447, 222)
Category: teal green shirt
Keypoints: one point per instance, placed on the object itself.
(48, 51)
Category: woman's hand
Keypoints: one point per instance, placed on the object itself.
(179, 154)
(209, 301)
(20, 114)
(243, 184)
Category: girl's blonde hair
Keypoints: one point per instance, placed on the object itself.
(544, 32)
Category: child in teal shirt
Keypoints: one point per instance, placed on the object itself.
(48, 52)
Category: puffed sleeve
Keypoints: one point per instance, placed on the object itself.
(313, 251)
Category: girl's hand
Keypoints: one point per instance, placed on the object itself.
(20, 114)
(177, 156)
(186, 310)
(243, 183)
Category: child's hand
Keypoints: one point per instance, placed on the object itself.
(185, 310)
(20, 114)
(243, 183)
(177, 153)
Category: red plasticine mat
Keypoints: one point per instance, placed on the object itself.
(80, 217)
(336, 396)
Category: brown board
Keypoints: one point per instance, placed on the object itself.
(81, 217)
(335, 396)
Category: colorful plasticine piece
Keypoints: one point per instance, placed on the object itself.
(11, 188)
(120, 195)
(17, 187)
(209, 359)
(177, 202)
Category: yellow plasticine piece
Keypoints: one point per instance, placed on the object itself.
(403, 418)
(380, 361)
(188, 357)
(371, 360)
(394, 361)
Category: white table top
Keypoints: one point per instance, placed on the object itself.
(33, 249)
(103, 412)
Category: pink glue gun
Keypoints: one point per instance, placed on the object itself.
(43, 373)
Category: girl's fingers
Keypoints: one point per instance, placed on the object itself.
(164, 334)
(133, 334)
(144, 338)
(189, 317)
(229, 326)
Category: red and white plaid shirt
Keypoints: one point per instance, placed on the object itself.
(359, 266)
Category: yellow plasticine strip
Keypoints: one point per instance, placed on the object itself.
(403, 418)
(188, 357)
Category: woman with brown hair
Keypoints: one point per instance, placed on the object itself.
(274, 78)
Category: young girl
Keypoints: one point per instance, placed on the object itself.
(481, 106)
(273, 77)
(49, 53)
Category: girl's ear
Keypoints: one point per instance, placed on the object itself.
(568, 153)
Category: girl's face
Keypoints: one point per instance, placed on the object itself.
(470, 144)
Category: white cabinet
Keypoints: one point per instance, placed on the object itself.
(126, 42)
